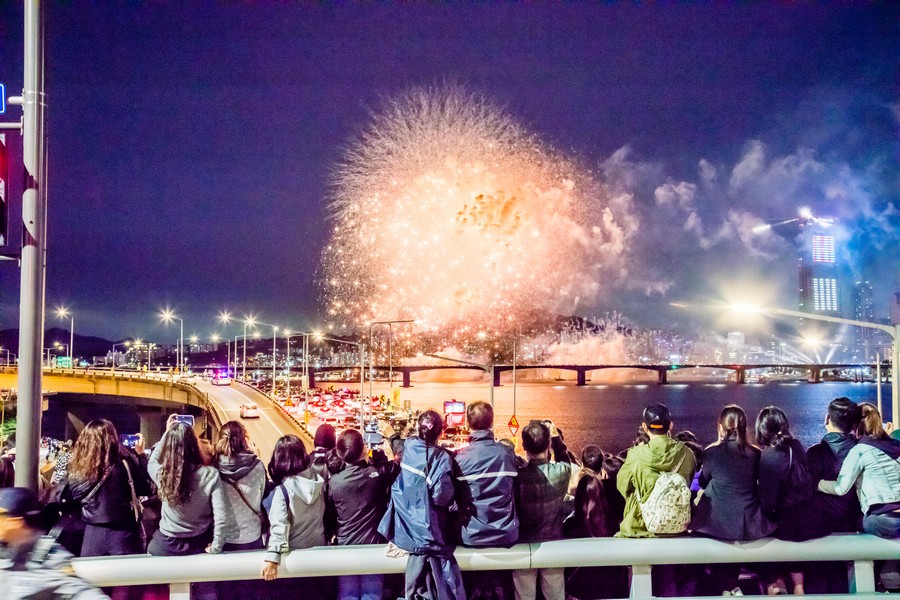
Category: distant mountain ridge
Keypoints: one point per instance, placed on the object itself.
(85, 345)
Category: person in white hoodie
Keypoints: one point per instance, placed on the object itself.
(298, 506)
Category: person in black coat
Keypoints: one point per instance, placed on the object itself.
(785, 487)
(833, 513)
(106, 479)
(728, 507)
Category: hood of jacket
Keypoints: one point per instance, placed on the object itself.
(307, 486)
(840, 443)
(662, 453)
(235, 468)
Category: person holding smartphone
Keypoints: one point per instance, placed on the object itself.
(106, 479)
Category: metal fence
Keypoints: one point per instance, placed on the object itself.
(858, 550)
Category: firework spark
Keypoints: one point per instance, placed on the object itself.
(447, 211)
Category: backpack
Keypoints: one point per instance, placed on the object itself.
(668, 508)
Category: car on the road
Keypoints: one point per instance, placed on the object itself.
(249, 410)
(221, 379)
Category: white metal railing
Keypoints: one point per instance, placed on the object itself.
(640, 554)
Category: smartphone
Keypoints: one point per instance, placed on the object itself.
(186, 419)
(130, 440)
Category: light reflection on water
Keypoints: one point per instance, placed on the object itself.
(609, 415)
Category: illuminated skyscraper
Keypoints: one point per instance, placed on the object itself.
(819, 290)
(863, 301)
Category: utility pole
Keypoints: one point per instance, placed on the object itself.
(34, 251)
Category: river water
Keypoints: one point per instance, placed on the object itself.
(609, 415)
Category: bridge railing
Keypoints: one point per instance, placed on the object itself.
(640, 554)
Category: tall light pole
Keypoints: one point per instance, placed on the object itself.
(892, 330)
(249, 321)
(126, 344)
(274, 347)
(168, 316)
(362, 373)
(390, 325)
(62, 312)
(225, 319)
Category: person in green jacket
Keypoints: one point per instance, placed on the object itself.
(645, 462)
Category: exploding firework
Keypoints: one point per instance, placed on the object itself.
(447, 211)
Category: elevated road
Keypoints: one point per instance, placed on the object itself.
(264, 431)
(159, 392)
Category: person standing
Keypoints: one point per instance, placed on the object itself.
(418, 517)
(486, 484)
(193, 503)
(33, 565)
(541, 493)
(356, 500)
(106, 479)
(243, 478)
(298, 507)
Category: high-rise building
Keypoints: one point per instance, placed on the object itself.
(863, 306)
(735, 346)
(819, 289)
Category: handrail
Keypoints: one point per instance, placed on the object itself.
(640, 554)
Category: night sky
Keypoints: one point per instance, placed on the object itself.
(192, 144)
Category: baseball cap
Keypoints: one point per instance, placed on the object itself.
(657, 418)
(18, 502)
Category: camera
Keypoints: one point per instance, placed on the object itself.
(130, 440)
(186, 419)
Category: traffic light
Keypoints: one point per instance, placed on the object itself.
(4, 190)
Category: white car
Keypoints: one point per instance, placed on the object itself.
(249, 410)
(221, 380)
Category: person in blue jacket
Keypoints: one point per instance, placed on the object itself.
(487, 503)
(418, 520)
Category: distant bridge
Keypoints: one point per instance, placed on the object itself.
(813, 371)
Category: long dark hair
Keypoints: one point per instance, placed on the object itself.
(179, 457)
(289, 458)
(773, 428)
(733, 422)
(590, 505)
(349, 449)
(232, 440)
(96, 450)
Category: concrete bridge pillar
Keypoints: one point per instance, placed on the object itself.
(406, 380)
(496, 372)
(582, 377)
(740, 375)
(311, 377)
(662, 376)
(152, 423)
(815, 375)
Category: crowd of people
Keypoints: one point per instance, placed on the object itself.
(753, 482)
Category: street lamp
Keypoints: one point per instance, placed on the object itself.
(892, 330)
(362, 373)
(287, 336)
(274, 347)
(249, 321)
(63, 312)
(126, 344)
(168, 316)
(390, 325)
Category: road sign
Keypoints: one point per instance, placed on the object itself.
(513, 425)
(64, 362)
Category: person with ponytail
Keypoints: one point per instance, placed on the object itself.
(418, 519)
(786, 489)
(193, 503)
(244, 485)
(729, 508)
(106, 479)
(356, 500)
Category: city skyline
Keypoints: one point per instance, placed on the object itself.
(192, 149)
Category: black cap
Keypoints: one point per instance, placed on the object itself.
(18, 502)
(657, 418)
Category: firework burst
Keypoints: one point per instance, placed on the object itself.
(447, 211)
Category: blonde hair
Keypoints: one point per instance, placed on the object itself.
(871, 423)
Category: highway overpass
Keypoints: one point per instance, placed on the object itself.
(155, 396)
